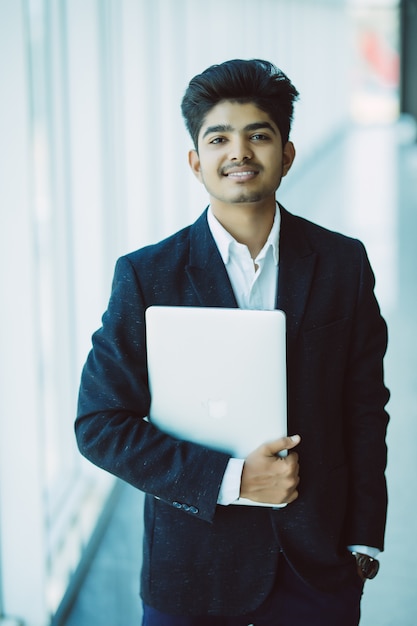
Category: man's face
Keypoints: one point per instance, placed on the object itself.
(240, 156)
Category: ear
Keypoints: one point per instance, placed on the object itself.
(194, 163)
(288, 156)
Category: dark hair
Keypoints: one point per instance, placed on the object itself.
(240, 81)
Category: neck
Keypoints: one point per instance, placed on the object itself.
(247, 224)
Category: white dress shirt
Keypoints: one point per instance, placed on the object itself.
(254, 283)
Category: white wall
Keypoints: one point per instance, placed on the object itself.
(93, 163)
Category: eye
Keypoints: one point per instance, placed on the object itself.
(217, 140)
(259, 137)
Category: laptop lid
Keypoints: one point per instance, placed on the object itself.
(218, 376)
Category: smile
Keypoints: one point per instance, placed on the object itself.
(246, 175)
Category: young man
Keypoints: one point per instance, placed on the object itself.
(206, 562)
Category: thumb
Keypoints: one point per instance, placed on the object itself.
(283, 443)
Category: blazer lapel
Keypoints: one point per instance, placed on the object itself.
(206, 269)
(209, 279)
(296, 268)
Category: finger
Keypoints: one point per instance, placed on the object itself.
(283, 443)
(293, 496)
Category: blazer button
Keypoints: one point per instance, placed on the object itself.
(185, 507)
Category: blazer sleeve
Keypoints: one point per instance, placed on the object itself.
(365, 398)
(114, 401)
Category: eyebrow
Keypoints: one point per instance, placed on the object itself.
(227, 128)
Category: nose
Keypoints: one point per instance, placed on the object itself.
(240, 149)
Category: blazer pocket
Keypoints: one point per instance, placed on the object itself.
(332, 337)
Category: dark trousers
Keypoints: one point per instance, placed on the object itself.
(291, 603)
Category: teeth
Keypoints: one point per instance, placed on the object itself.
(241, 174)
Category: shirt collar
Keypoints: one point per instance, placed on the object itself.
(224, 239)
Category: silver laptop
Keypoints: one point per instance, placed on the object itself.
(218, 376)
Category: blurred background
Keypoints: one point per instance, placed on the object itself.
(93, 164)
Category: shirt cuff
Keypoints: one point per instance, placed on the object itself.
(230, 487)
(369, 551)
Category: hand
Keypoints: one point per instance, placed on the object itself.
(267, 477)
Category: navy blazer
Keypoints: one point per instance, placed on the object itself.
(200, 557)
